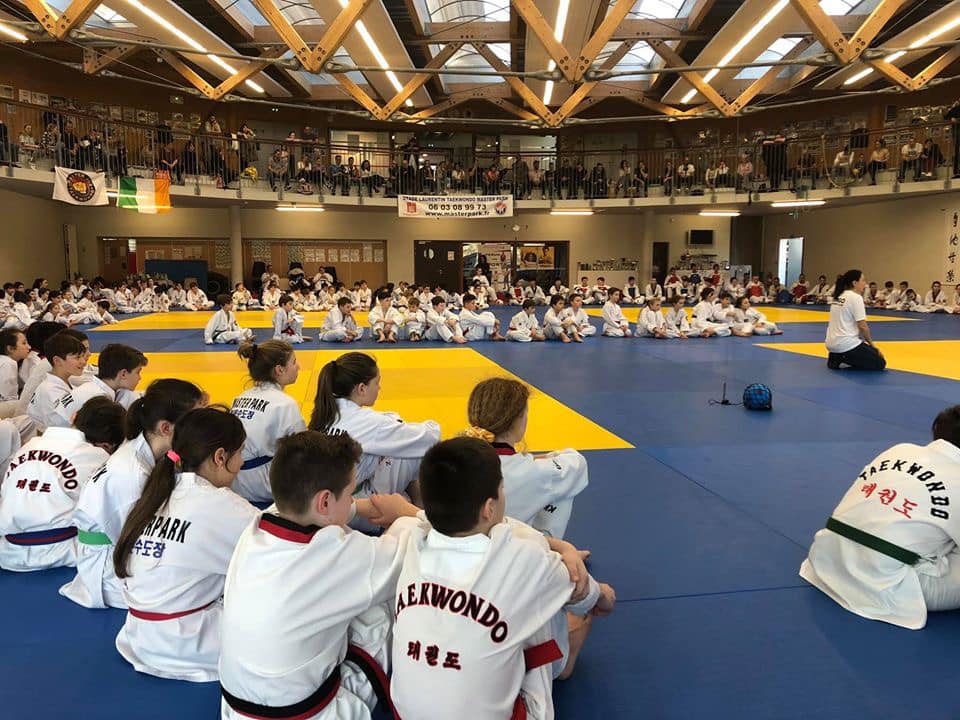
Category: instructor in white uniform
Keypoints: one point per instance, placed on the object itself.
(848, 335)
(889, 550)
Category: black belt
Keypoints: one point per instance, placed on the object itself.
(322, 697)
(907, 557)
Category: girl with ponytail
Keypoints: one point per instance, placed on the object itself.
(267, 413)
(113, 490)
(392, 449)
(848, 336)
(540, 489)
(175, 546)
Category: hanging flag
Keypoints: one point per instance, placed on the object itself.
(79, 187)
(144, 195)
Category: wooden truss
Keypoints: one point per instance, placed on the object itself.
(830, 36)
(218, 92)
(896, 75)
(95, 61)
(76, 14)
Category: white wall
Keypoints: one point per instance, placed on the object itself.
(32, 238)
(889, 240)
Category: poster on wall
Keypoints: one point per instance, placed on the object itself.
(455, 206)
(332, 255)
(952, 248)
(367, 252)
(537, 256)
(6, 92)
(354, 255)
(378, 255)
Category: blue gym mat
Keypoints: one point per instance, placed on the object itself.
(701, 529)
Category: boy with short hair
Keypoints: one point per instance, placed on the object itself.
(442, 324)
(118, 374)
(67, 358)
(223, 328)
(631, 292)
(288, 323)
(524, 326)
(384, 319)
(478, 325)
(574, 311)
(39, 496)
(307, 602)
(481, 602)
(339, 325)
(414, 320)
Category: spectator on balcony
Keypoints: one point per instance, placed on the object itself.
(277, 170)
(842, 162)
(668, 178)
(117, 151)
(220, 168)
(878, 159)
(551, 181)
(535, 180)
(72, 155)
(458, 178)
(723, 175)
(309, 137)
(641, 178)
(248, 146)
(28, 146)
(189, 161)
(930, 159)
(774, 153)
(319, 160)
(427, 179)
(306, 180)
(411, 151)
(710, 177)
(369, 179)
(352, 173)
(953, 117)
(170, 162)
(564, 178)
(910, 158)
(744, 173)
(148, 154)
(805, 168)
(625, 181)
(50, 141)
(407, 177)
(859, 167)
(491, 179)
(521, 176)
(577, 181)
(473, 177)
(685, 174)
(337, 176)
(211, 128)
(96, 150)
(598, 182)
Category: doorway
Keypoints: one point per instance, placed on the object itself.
(661, 259)
(790, 260)
(438, 263)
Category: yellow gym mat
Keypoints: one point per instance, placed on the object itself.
(774, 314)
(937, 358)
(421, 384)
(198, 320)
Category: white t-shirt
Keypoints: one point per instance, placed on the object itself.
(843, 333)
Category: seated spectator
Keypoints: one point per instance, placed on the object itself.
(930, 159)
(458, 178)
(744, 173)
(28, 146)
(578, 181)
(170, 162)
(277, 170)
(910, 155)
(878, 159)
(189, 163)
(337, 177)
(625, 181)
(598, 182)
(667, 179)
(685, 174)
(710, 177)
(842, 162)
(535, 180)
(641, 178)
(369, 180)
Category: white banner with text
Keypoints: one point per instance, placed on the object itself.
(455, 206)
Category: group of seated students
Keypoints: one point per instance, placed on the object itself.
(154, 498)
(889, 297)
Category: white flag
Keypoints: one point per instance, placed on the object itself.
(79, 187)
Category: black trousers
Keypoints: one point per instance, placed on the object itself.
(862, 357)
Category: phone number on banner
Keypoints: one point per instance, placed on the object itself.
(474, 207)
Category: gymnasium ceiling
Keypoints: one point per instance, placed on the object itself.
(547, 63)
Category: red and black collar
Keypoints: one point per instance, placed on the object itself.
(287, 529)
(504, 448)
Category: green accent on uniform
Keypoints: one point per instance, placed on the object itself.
(907, 557)
(127, 197)
(93, 538)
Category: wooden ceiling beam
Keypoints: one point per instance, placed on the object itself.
(94, 60)
(418, 80)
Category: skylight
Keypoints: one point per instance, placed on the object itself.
(102, 17)
(776, 51)
(467, 57)
(655, 9)
(468, 10)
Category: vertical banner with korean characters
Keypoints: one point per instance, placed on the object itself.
(952, 247)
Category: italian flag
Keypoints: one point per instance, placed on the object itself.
(144, 195)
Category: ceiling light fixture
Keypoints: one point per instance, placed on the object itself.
(893, 57)
(798, 203)
(377, 55)
(10, 32)
(768, 18)
(300, 208)
(585, 211)
(559, 27)
(720, 213)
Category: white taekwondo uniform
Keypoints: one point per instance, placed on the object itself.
(307, 615)
(69, 404)
(175, 587)
(288, 326)
(477, 325)
(268, 414)
(677, 319)
(756, 321)
(614, 323)
(703, 313)
(377, 320)
(42, 407)
(38, 497)
(437, 328)
(336, 325)
(653, 320)
(223, 328)
(580, 319)
(523, 326)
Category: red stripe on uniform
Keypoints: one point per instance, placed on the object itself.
(542, 654)
(268, 526)
(158, 617)
(519, 709)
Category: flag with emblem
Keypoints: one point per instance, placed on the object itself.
(144, 195)
(79, 187)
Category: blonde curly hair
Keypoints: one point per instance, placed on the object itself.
(494, 407)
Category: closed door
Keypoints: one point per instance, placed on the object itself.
(438, 263)
(661, 258)
(113, 263)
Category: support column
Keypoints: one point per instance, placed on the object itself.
(647, 254)
(236, 246)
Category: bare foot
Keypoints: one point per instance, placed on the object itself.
(579, 629)
(564, 338)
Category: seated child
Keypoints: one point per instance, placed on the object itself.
(745, 314)
(384, 319)
(298, 567)
(524, 326)
(614, 323)
(506, 570)
(39, 496)
(197, 299)
(288, 323)
(558, 327)
(339, 325)
(478, 325)
(725, 313)
(678, 321)
(703, 315)
(222, 327)
(118, 374)
(576, 313)
(67, 358)
(442, 324)
(631, 292)
(414, 321)
(653, 324)
(535, 292)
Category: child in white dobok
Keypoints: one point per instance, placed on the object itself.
(222, 327)
(524, 326)
(288, 323)
(746, 314)
(557, 326)
(614, 322)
